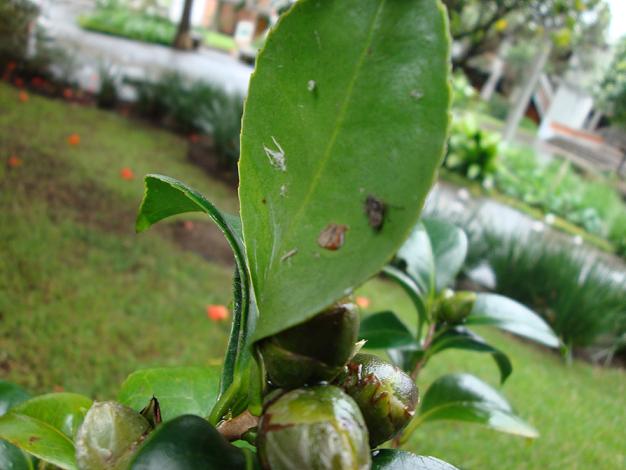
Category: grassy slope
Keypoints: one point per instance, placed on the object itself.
(83, 301)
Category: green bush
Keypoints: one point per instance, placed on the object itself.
(554, 187)
(15, 19)
(197, 107)
(119, 21)
(571, 290)
(473, 152)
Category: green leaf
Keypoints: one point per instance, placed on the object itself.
(347, 115)
(384, 330)
(511, 316)
(394, 459)
(189, 442)
(165, 197)
(449, 244)
(462, 338)
(179, 390)
(13, 458)
(413, 291)
(11, 395)
(63, 411)
(39, 439)
(463, 397)
(419, 260)
(406, 358)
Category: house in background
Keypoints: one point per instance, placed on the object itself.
(224, 15)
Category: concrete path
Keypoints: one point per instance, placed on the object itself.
(89, 52)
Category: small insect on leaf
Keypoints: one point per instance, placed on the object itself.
(375, 211)
(332, 237)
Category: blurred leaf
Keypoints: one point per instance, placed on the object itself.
(394, 459)
(63, 411)
(511, 316)
(11, 395)
(329, 171)
(463, 397)
(190, 442)
(462, 338)
(13, 458)
(413, 291)
(39, 439)
(419, 259)
(406, 358)
(385, 330)
(179, 390)
(449, 245)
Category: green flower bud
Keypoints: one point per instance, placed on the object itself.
(108, 436)
(386, 395)
(454, 307)
(317, 428)
(314, 351)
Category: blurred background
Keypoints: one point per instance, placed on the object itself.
(95, 94)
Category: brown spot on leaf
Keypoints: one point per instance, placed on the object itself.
(33, 439)
(332, 237)
(375, 210)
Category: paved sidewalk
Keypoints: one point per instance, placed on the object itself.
(90, 51)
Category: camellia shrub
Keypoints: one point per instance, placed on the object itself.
(343, 131)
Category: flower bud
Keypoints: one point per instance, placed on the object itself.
(313, 351)
(386, 395)
(313, 428)
(108, 436)
(454, 307)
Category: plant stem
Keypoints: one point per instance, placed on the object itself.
(430, 334)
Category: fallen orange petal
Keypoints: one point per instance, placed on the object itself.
(217, 312)
(362, 301)
(68, 93)
(14, 161)
(73, 139)
(127, 174)
(23, 96)
(188, 225)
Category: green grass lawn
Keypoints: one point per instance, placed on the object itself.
(84, 301)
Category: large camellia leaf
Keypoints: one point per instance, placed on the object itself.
(449, 244)
(394, 459)
(511, 316)
(343, 131)
(463, 397)
(190, 442)
(179, 390)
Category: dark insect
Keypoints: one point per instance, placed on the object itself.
(332, 237)
(375, 211)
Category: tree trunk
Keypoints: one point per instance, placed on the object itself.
(497, 69)
(516, 113)
(183, 39)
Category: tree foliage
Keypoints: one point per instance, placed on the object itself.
(611, 93)
(481, 25)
